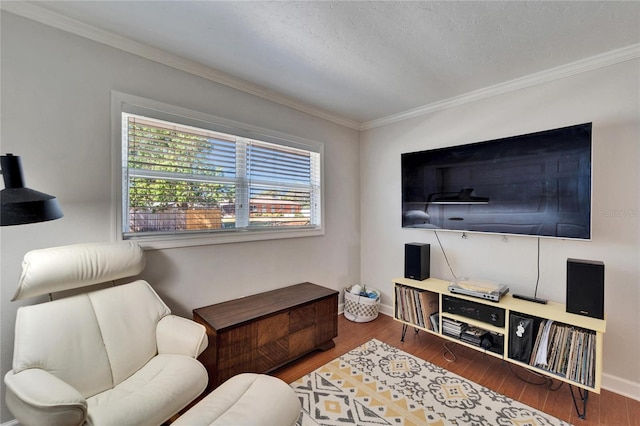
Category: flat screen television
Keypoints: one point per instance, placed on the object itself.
(536, 184)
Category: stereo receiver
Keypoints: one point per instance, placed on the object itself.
(477, 311)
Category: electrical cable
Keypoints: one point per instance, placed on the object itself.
(545, 382)
(548, 381)
(445, 255)
(535, 293)
(447, 350)
(551, 388)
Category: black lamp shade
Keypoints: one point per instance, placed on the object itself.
(22, 205)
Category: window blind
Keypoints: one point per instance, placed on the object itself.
(182, 179)
(281, 183)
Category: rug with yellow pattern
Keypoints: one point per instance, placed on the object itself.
(378, 384)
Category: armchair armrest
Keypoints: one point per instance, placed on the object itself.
(177, 335)
(37, 397)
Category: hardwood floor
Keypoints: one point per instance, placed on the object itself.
(607, 408)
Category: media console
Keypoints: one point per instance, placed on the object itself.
(512, 329)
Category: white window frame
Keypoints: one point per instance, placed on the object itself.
(122, 102)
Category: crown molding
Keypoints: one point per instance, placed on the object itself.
(44, 16)
(578, 67)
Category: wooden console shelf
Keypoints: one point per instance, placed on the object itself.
(262, 332)
(586, 332)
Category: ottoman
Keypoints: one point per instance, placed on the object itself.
(246, 399)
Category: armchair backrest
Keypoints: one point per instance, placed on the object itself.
(91, 341)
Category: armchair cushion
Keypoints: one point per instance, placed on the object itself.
(128, 316)
(154, 393)
(77, 357)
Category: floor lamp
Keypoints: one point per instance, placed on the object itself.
(21, 205)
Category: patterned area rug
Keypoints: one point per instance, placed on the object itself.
(377, 384)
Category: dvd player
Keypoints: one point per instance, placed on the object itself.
(482, 290)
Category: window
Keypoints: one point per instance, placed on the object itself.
(186, 178)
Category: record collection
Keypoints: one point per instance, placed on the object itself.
(417, 306)
(565, 350)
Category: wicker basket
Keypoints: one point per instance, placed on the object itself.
(360, 308)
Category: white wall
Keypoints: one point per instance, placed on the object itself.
(608, 97)
(55, 114)
(56, 91)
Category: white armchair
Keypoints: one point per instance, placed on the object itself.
(114, 356)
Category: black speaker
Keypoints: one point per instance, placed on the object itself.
(585, 287)
(416, 261)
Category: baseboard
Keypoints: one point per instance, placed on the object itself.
(386, 309)
(621, 386)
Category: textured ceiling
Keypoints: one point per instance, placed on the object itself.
(367, 60)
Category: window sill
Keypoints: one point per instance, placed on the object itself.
(176, 241)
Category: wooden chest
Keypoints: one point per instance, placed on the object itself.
(262, 332)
